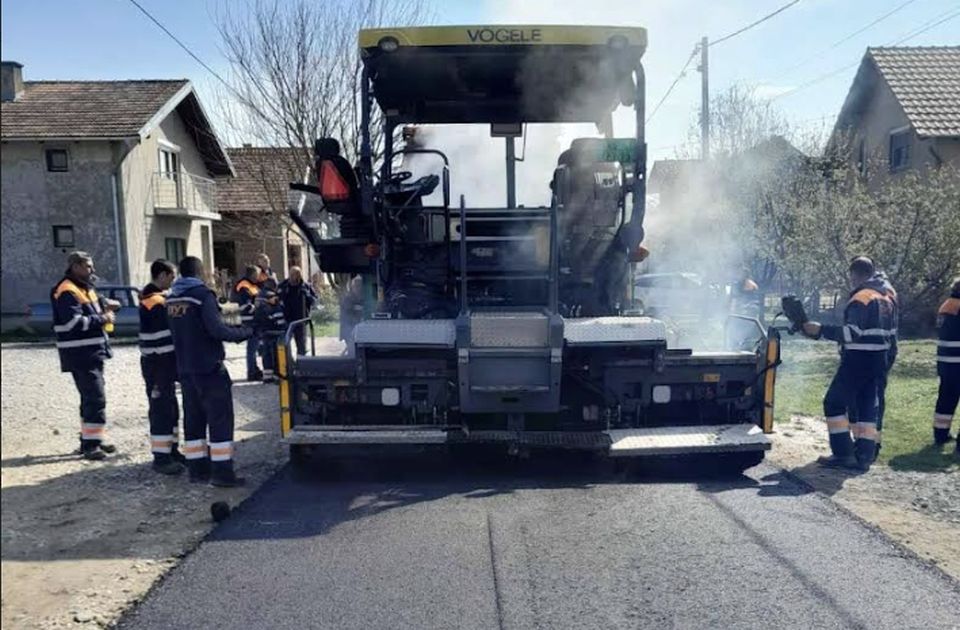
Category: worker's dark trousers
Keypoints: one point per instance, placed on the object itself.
(93, 404)
(855, 386)
(268, 351)
(207, 410)
(253, 346)
(947, 399)
(300, 337)
(881, 406)
(160, 378)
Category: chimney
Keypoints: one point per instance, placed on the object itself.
(11, 80)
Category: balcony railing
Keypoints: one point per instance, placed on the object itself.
(185, 195)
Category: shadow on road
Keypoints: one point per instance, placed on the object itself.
(313, 498)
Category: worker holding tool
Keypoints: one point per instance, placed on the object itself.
(198, 336)
(80, 321)
(158, 364)
(854, 413)
(864, 338)
(245, 294)
(948, 366)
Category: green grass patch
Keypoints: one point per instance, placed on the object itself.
(326, 329)
(808, 367)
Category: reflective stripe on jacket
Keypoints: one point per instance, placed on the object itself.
(868, 322)
(245, 294)
(948, 331)
(78, 324)
(156, 341)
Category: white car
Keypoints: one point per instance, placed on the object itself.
(672, 294)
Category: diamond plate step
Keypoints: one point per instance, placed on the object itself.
(723, 438)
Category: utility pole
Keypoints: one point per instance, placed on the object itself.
(704, 100)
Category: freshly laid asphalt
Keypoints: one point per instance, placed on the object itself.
(551, 543)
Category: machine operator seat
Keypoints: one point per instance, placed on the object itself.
(328, 150)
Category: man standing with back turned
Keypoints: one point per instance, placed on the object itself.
(864, 339)
(198, 336)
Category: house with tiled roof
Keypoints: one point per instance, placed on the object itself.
(902, 112)
(254, 209)
(125, 170)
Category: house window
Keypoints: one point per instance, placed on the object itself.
(57, 160)
(176, 249)
(63, 236)
(899, 150)
(169, 163)
(862, 157)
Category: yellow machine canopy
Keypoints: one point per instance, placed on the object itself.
(502, 74)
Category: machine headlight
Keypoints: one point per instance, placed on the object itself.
(390, 396)
(661, 394)
(389, 44)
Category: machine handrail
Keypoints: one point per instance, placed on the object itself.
(289, 335)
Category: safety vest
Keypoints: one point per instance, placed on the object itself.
(246, 295)
(78, 325)
(155, 337)
(948, 325)
(868, 322)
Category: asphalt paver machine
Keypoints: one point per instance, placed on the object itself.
(507, 325)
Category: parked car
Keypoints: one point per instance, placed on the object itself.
(673, 294)
(40, 314)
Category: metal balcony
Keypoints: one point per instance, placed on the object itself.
(185, 196)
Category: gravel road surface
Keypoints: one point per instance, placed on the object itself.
(547, 544)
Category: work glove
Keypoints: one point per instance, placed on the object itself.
(793, 311)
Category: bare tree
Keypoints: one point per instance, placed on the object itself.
(294, 76)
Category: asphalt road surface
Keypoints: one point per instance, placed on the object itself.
(555, 543)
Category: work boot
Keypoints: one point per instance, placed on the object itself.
(107, 447)
(223, 476)
(844, 463)
(177, 456)
(255, 376)
(941, 436)
(93, 452)
(865, 452)
(199, 470)
(165, 465)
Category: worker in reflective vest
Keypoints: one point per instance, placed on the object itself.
(80, 317)
(158, 364)
(888, 290)
(245, 294)
(948, 366)
(864, 339)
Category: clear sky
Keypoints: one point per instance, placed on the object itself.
(111, 39)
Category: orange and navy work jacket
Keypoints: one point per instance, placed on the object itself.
(156, 342)
(245, 294)
(868, 322)
(78, 324)
(948, 331)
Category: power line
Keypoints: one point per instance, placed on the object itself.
(672, 85)
(926, 26)
(752, 24)
(183, 46)
(847, 38)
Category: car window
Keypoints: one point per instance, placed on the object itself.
(126, 297)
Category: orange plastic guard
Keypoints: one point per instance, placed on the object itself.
(332, 185)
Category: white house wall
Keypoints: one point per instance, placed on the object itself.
(147, 232)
